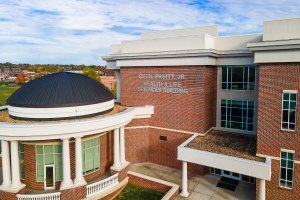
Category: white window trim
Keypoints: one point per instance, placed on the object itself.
(289, 92)
(287, 151)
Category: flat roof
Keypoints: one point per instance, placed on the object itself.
(227, 143)
(4, 117)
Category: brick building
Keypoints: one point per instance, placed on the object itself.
(222, 105)
(188, 99)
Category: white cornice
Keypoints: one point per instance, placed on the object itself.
(60, 130)
(176, 54)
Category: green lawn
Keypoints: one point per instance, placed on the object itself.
(134, 192)
(5, 92)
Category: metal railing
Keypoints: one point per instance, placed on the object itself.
(49, 196)
(101, 186)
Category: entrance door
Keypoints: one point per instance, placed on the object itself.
(49, 173)
(230, 174)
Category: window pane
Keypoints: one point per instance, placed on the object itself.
(58, 167)
(40, 172)
(283, 163)
(252, 74)
(290, 156)
(224, 74)
(285, 96)
(293, 105)
(39, 149)
(291, 126)
(290, 164)
(283, 173)
(89, 160)
(292, 116)
(289, 184)
(57, 148)
(285, 125)
(293, 97)
(49, 159)
(237, 74)
(48, 149)
(285, 105)
(290, 174)
(285, 114)
(88, 143)
(283, 154)
(224, 86)
(217, 171)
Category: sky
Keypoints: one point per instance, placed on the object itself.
(81, 31)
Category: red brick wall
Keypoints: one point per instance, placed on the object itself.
(188, 112)
(273, 191)
(151, 185)
(273, 79)
(144, 145)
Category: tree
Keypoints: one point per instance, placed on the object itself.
(91, 72)
(114, 90)
(20, 79)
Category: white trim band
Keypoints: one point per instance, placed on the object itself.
(63, 112)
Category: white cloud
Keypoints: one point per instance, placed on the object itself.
(73, 31)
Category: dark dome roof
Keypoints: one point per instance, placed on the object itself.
(62, 89)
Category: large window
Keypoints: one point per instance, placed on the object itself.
(238, 77)
(286, 169)
(46, 155)
(21, 158)
(237, 114)
(90, 155)
(289, 107)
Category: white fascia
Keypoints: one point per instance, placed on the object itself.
(62, 112)
(261, 170)
(74, 128)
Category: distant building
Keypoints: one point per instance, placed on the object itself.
(108, 81)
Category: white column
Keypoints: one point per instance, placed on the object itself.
(79, 180)
(67, 182)
(5, 164)
(116, 150)
(118, 79)
(262, 189)
(184, 191)
(122, 146)
(15, 166)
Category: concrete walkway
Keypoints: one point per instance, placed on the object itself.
(199, 187)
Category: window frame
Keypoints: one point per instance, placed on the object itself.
(289, 92)
(230, 75)
(84, 173)
(286, 159)
(228, 116)
(21, 153)
(54, 154)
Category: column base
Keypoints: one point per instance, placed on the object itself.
(120, 167)
(79, 182)
(66, 185)
(12, 189)
(184, 194)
